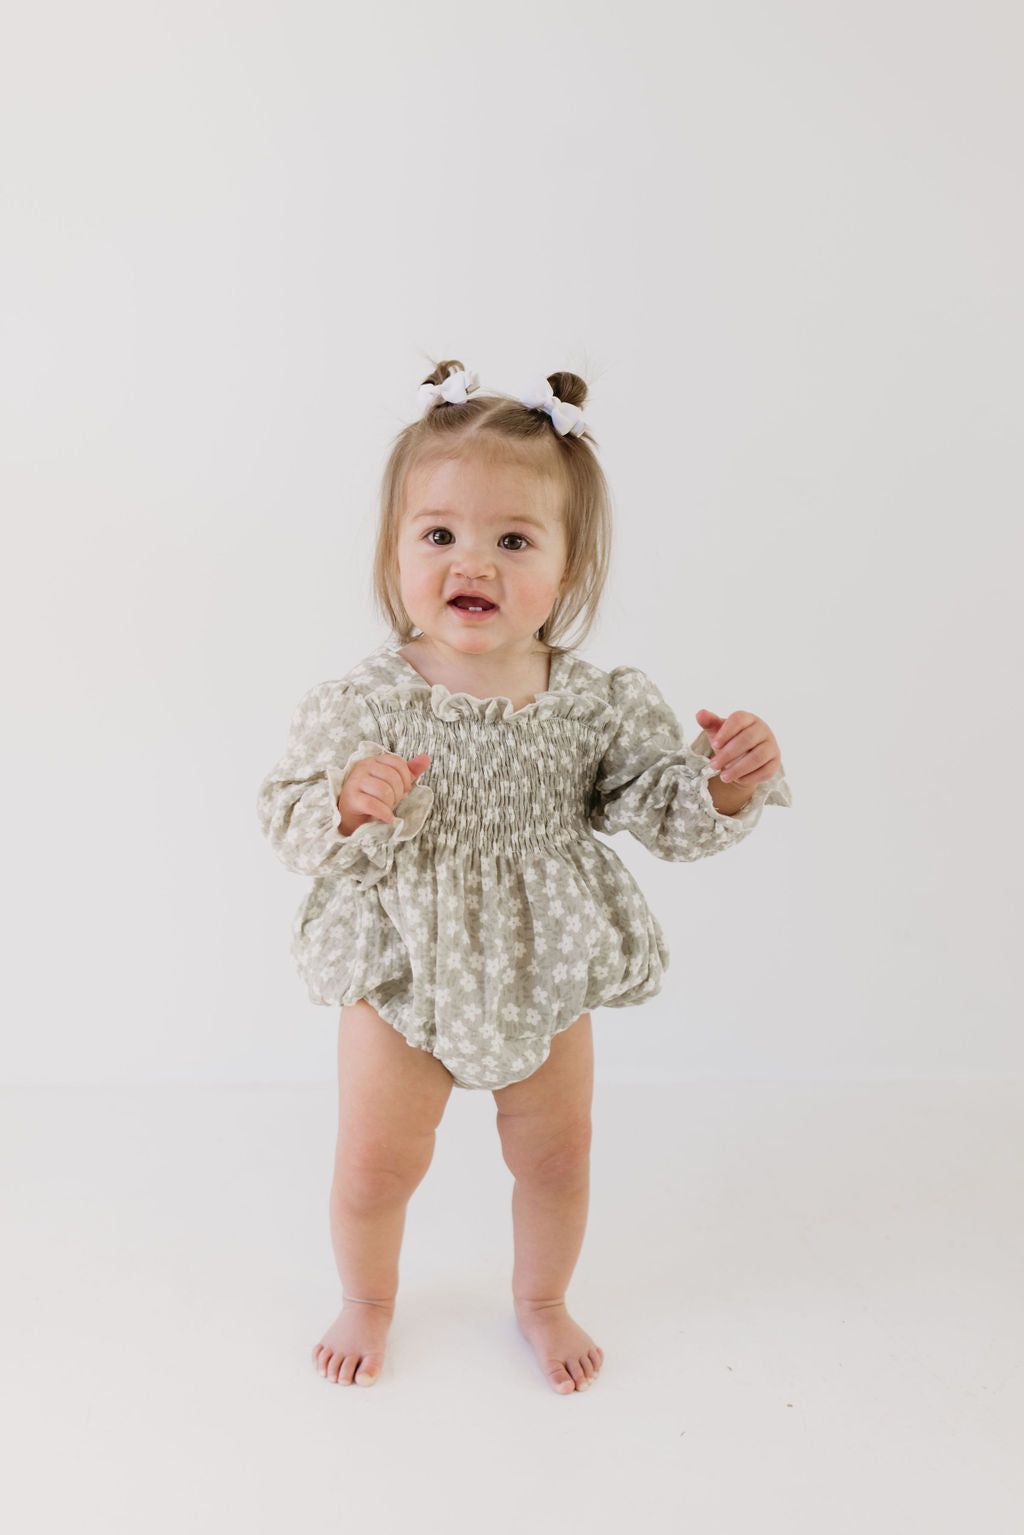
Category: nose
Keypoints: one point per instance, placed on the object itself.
(473, 566)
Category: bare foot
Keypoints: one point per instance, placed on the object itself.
(568, 1356)
(355, 1342)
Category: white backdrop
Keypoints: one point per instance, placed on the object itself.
(783, 243)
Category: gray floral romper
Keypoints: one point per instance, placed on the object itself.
(487, 916)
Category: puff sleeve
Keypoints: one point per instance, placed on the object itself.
(650, 783)
(332, 728)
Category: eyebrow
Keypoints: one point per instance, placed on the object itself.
(532, 522)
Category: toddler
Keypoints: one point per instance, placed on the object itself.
(444, 794)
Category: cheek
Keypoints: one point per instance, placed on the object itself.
(545, 581)
(419, 581)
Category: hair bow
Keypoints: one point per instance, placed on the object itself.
(565, 417)
(456, 390)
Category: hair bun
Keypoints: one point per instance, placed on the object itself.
(569, 387)
(442, 371)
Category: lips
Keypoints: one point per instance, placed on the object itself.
(472, 600)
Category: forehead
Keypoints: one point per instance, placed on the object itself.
(478, 486)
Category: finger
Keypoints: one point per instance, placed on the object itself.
(382, 781)
(734, 739)
(393, 760)
(387, 774)
(749, 780)
(393, 772)
(405, 768)
(726, 757)
(732, 726)
(748, 763)
(371, 804)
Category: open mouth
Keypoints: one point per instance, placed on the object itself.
(473, 605)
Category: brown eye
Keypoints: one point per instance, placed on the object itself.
(522, 544)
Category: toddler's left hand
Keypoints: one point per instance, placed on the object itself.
(744, 747)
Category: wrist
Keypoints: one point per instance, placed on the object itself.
(727, 798)
(349, 823)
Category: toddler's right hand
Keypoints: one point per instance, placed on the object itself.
(374, 786)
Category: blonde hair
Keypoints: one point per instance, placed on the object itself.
(502, 427)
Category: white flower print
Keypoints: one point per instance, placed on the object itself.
(501, 836)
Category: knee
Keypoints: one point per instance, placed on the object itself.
(371, 1177)
(556, 1161)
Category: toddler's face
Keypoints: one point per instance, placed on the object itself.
(495, 528)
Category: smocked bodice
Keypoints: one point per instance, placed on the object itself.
(502, 780)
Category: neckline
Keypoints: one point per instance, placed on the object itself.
(393, 648)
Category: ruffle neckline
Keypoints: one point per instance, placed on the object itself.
(411, 687)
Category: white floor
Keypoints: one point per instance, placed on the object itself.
(809, 1296)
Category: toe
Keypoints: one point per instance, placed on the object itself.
(323, 1364)
(577, 1372)
(368, 1370)
(348, 1369)
(561, 1379)
(597, 1355)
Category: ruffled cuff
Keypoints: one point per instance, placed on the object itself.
(771, 791)
(367, 854)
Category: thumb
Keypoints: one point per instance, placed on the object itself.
(418, 765)
(707, 720)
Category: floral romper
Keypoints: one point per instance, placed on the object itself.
(487, 916)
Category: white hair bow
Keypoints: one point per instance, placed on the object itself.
(456, 390)
(565, 417)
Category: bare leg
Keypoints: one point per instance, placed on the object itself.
(544, 1124)
(391, 1097)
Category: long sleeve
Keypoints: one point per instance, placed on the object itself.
(332, 728)
(650, 783)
